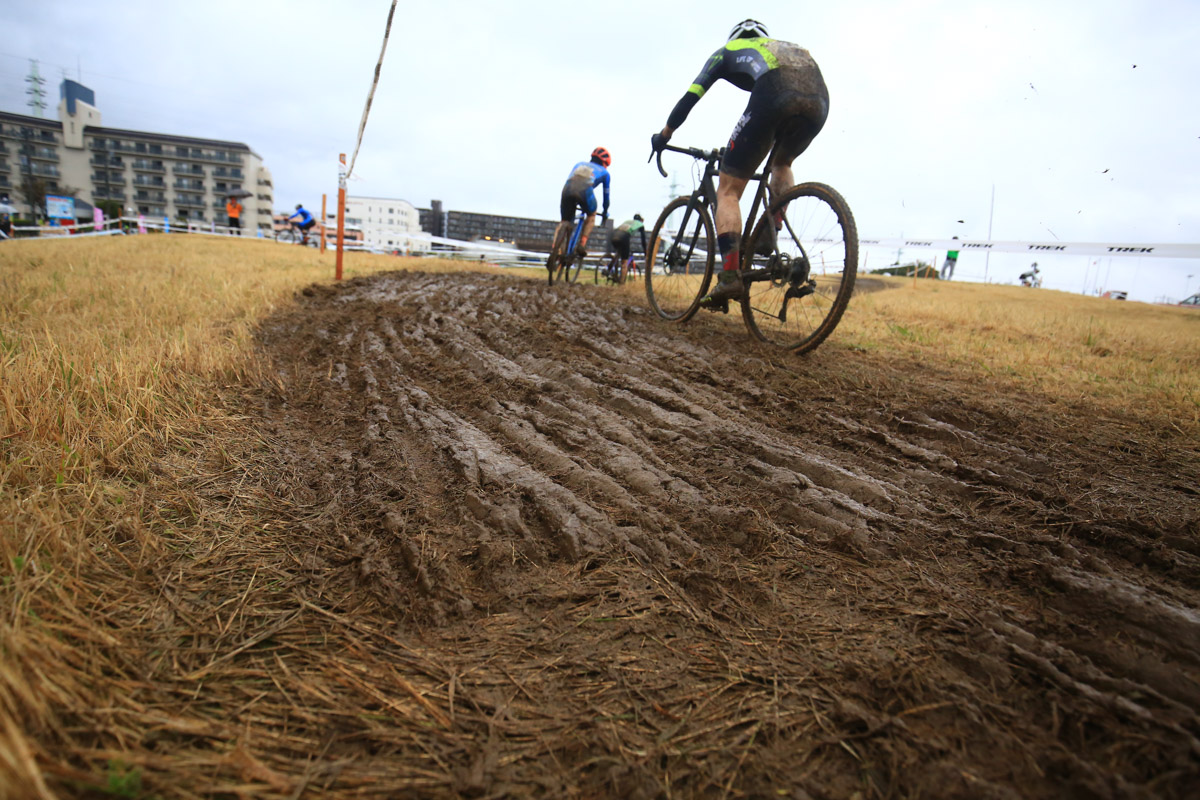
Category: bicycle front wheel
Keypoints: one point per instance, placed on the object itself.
(680, 258)
(799, 277)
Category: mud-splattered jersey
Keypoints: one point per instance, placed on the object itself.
(630, 226)
(586, 176)
(742, 62)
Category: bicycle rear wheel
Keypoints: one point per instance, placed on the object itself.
(680, 258)
(554, 260)
(796, 296)
(573, 269)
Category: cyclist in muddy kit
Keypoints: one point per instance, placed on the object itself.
(578, 192)
(787, 109)
(621, 239)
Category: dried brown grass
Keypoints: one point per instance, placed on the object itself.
(1130, 358)
(165, 632)
(113, 355)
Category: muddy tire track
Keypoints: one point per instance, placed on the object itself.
(912, 586)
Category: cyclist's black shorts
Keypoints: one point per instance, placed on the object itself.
(787, 109)
(306, 225)
(620, 244)
(572, 199)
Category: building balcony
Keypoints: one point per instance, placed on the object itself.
(108, 194)
(107, 161)
(44, 154)
(4, 167)
(44, 170)
(188, 169)
(216, 157)
(108, 146)
(142, 165)
(189, 201)
(101, 178)
(188, 186)
(233, 174)
(142, 180)
(150, 197)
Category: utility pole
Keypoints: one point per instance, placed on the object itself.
(36, 92)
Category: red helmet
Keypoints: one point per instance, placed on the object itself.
(601, 156)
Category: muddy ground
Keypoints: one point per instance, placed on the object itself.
(616, 557)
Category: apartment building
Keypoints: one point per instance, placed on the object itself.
(154, 174)
(525, 233)
(382, 220)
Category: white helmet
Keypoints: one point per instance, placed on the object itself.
(748, 29)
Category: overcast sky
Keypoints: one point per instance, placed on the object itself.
(1082, 116)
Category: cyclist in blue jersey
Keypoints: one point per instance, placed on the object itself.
(787, 109)
(306, 221)
(578, 192)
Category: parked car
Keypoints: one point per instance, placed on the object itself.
(1192, 302)
(1116, 295)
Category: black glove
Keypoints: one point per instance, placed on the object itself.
(658, 142)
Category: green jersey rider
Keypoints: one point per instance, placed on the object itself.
(787, 109)
(621, 239)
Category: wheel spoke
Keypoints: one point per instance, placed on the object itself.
(679, 263)
(817, 242)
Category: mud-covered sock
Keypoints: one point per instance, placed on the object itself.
(730, 245)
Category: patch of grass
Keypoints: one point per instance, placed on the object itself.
(1061, 345)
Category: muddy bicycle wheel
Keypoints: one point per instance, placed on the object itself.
(554, 260)
(573, 269)
(679, 259)
(797, 294)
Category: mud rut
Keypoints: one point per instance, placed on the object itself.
(654, 561)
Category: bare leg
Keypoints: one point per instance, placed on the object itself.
(781, 179)
(729, 227)
(729, 213)
(588, 224)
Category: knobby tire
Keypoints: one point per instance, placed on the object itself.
(675, 291)
(818, 228)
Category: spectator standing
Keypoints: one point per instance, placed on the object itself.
(951, 261)
(233, 210)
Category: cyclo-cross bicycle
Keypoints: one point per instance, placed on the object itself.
(616, 269)
(798, 278)
(292, 234)
(613, 270)
(565, 264)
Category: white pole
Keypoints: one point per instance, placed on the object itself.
(987, 259)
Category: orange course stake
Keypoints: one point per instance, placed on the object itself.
(322, 224)
(341, 229)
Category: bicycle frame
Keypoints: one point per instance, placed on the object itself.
(576, 233)
(779, 269)
(706, 193)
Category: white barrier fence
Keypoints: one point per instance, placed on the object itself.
(436, 246)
